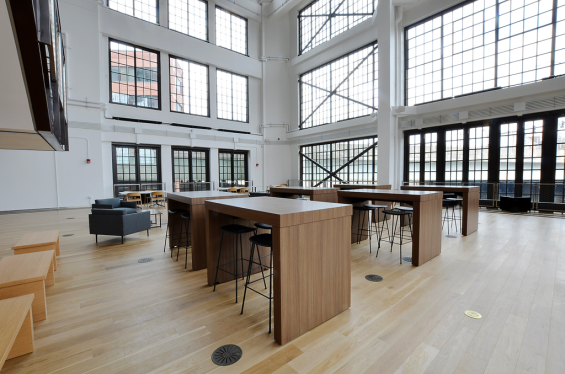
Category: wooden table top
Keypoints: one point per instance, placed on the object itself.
(304, 190)
(13, 312)
(25, 268)
(441, 188)
(199, 197)
(362, 186)
(280, 212)
(391, 195)
(33, 239)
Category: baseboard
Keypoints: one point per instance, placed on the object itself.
(41, 210)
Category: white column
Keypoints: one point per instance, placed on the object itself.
(212, 22)
(214, 167)
(163, 13)
(387, 94)
(167, 167)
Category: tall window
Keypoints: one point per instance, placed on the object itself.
(478, 154)
(454, 156)
(507, 171)
(231, 90)
(189, 87)
(143, 9)
(414, 158)
(339, 90)
(532, 151)
(559, 68)
(463, 50)
(560, 162)
(134, 78)
(321, 20)
(352, 161)
(189, 17)
(231, 31)
(138, 165)
(233, 168)
(430, 157)
(190, 169)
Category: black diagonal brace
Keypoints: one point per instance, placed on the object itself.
(331, 174)
(335, 93)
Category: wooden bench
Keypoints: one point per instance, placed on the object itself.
(39, 241)
(27, 274)
(16, 326)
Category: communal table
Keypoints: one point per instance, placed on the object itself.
(316, 193)
(37, 242)
(311, 257)
(193, 201)
(470, 195)
(426, 221)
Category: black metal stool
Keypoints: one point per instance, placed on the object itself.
(410, 210)
(185, 220)
(398, 214)
(261, 240)
(236, 230)
(449, 203)
(171, 220)
(260, 225)
(458, 203)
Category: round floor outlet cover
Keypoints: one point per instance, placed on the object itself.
(373, 278)
(473, 314)
(450, 236)
(71, 218)
(227, 355)
(68, 235)
(407, 259)
(143, 260)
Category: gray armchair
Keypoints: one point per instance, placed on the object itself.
(118, 222)
(115, 203)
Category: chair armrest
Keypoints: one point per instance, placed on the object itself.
(102, 206)
(128, 204)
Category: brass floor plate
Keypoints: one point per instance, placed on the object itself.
(473, 314)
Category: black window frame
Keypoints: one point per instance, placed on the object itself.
(137, 147)
(110, 40)
(247, 96)
(133, 15)
(232, 152)
(188, 19)
(208, 76)
(206, 152)
(232, 14)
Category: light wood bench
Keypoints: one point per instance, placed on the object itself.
(37, 242)
(16, 326)
(27, 274)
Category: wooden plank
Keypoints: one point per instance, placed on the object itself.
(16, 326)
(25, 268)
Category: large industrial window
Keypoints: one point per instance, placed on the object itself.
(342, 89)
(189, 87)
(231, 90)
(233, 168)
(430, 157)
(189, 17)
(560, 162)
(321, 20)
(533, 131)
(414, 150)
(559, 59)
(464, 50)
(134, 78)
(136, 167)
(190, 169)
(143, 9)
(508, 142)
(231, 31)
(454, 156)
(478, 154)
(353, 161)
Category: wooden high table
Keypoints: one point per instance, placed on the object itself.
(470, 195)
(311, 257)
(328, 195)
(426, 217)
(193, 201)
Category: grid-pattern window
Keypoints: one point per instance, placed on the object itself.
(560, 162)
(533, 131)
(508, 142)
(231, 31)
(414, 158)
(321, 20)
(134, 78)
(233, 168)
(231, 90)
(466, 49)
(478, 154)
(126, 164)
(189, 17)
(189, 87)
(148, 165)
(454, 156)
(142, 9)
(190, 169)
(339, 90)
(338, 155)
(430, 157)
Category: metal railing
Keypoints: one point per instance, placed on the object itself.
(125, 187)
(237, 183)
(307, 183)
(193, 186)
(153, 186)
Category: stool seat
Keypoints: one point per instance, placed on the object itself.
(376, 206)
(405, 208)
(177, 211)
(449, 202)
(236, 229)
(185, 216)
(263, 226)
(454, 198)
(362, 208)
(264, 240)
(397, 212)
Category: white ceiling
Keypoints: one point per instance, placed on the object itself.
(15, 114)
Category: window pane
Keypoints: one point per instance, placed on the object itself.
(189, 17)
(231, 90)
(231, 31)
(143, 9)
(189, 87)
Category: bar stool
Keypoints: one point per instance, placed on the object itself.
(171, 219)
(235, 230)
(458, 203)
(410, 210)
(261, 240)
(368, 209)
(449, 203)
(185, 222)
(260, 225)
(398, 214)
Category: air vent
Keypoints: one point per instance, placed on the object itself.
(191, 126)
(136, 120)
(478, 92)
(235, 132)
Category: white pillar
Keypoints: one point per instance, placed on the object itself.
(387, 93)
(214, 167)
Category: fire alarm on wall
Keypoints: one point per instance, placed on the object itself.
(256, 165)
(88, 161)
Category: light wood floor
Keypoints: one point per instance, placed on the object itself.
(107, 313)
